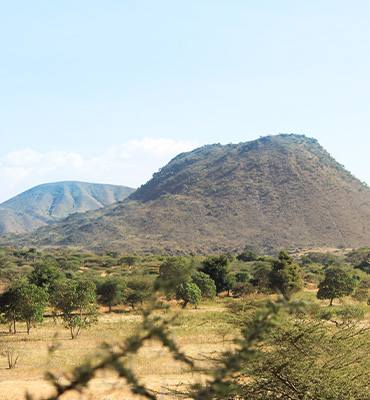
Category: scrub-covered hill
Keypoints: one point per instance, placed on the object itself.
(275, 191)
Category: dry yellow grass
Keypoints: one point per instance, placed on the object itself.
(202, 334)
(199, 332)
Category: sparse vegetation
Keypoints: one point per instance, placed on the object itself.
(275, 192)
(295, 333)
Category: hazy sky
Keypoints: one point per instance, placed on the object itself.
(110, 91)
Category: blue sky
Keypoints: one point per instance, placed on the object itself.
(111, 91)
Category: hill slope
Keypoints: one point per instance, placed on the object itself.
(275, 191)
(18, 221)
(51, 202)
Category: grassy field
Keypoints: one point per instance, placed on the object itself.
(201, 333)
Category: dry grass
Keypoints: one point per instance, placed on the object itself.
(199, 333)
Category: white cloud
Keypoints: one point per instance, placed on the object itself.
(23, 157)
(130, 164)
(16, 174)
(159, 147)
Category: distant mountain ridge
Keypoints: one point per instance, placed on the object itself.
(52, 202)
(276, 191)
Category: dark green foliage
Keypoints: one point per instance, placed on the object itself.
(174, 271)
(217, 268)
(248, 255)
(139, 289)
(362, 292)
(241, 289)
(285, 276)
(325, 259)
(229, 282)
(188, 292)
(242, 276)
(129, 260)
(314, 273)
(305, 260)
(360, 259)
(205, 284)
(11, 307)
(111, 291)
(46, 276)
(23, 302)
(261, 276)
(336, 284)
(32, 300)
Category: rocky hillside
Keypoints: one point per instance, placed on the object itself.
(275, 191)
(52, 202)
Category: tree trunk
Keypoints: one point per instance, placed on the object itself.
(14, 328)
(28, 327)
(331, 301)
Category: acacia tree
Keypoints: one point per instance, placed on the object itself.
(129, 260)
(111, 291)
(75, 302)
(139, 289)
(261, 277)
(32, 300)
(205, 284)
(188, 292)
(217, 268)
(285, 275)
(23, 302)
(46, 276)
(11, 307)
(175, 270)
(337, 283)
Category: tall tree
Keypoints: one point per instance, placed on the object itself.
(336, 284)
(111, 291)
(217, 268)
(174, 271)
(139, 289)
(188, 292)
(11, 307)
(205, 284)
(46, 276)
(285, 275)
(33, 300)
(75, 302)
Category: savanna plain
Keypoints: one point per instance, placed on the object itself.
(247, 326)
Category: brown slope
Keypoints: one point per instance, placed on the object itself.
(275, 191)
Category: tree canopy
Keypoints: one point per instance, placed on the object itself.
(336, 284)
(285, 275)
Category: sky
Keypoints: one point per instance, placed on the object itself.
(109, 92)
